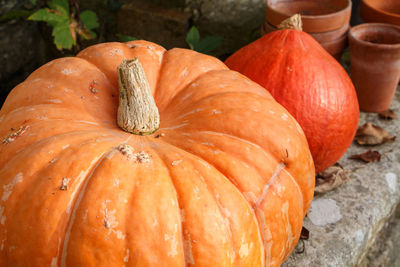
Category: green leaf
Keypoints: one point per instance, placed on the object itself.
(33, 2)
(125, 38)
(60, 5)
(92, 34)
(193, 37)
(88, 34)
(15, 14)
(208, 44)
(62, 36)
(89, 19)
(48, 16)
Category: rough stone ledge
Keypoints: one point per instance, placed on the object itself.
(345, 223)
(386, 249)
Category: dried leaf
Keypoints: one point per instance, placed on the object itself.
(73, 25)
(305, 233)
(303, 247)
(370, 134)
(331, 178)
(387, 115)
(369, 156)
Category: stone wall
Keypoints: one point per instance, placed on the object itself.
(237, 21)
(167, 22)
(23, 49)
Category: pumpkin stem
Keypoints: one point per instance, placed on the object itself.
(294, 23)
(137, 111)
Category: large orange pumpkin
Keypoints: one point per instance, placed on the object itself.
(225, 181)
(309, 83)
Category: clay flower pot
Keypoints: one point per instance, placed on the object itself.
(385, 11)
(335, 47)
(316, 15)
(333, 41)
(375, 64)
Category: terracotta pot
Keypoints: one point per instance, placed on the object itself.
(331, 35)
(333, 41)
(375, 64)
(336, 46)
(386, 11)
(317, 15)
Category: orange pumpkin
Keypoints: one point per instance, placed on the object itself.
(225, 180)
(309, 83)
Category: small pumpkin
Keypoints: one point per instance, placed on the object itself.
(309, 83)
(211, 172)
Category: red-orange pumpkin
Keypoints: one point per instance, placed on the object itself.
(310, 84)
(225, 181)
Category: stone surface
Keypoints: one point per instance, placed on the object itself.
(9, 5)
(386, 250)
(394, 240)
(238, 22)
(164, 22)
(237, 13)
(18, 46)
(366, 202)
(162, 25)
(21, 48)
(169, 3)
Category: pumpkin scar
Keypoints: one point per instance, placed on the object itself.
(274, 176)
(92, 87)
(127, 150)
(8, 188)
(142, 157)
(109, 217)
(12, 136)
(67, 71)
(64, 183)
(110, 222)
(176, 162)
(126, 258)
(159, 135)
(289, 232)
(176, 126)
(187, 243)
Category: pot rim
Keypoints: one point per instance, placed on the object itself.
(341, 38)
(365, 2)
(321, 37)
(344, 10)
(369, 25)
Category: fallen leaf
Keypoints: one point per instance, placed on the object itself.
(387, 115)
(370, 134)
(305, 233)
(331, 178)
(369, 156)
(303, 247)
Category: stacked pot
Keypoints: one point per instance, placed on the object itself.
(381, 11)
(326, 20)
(375, 54)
